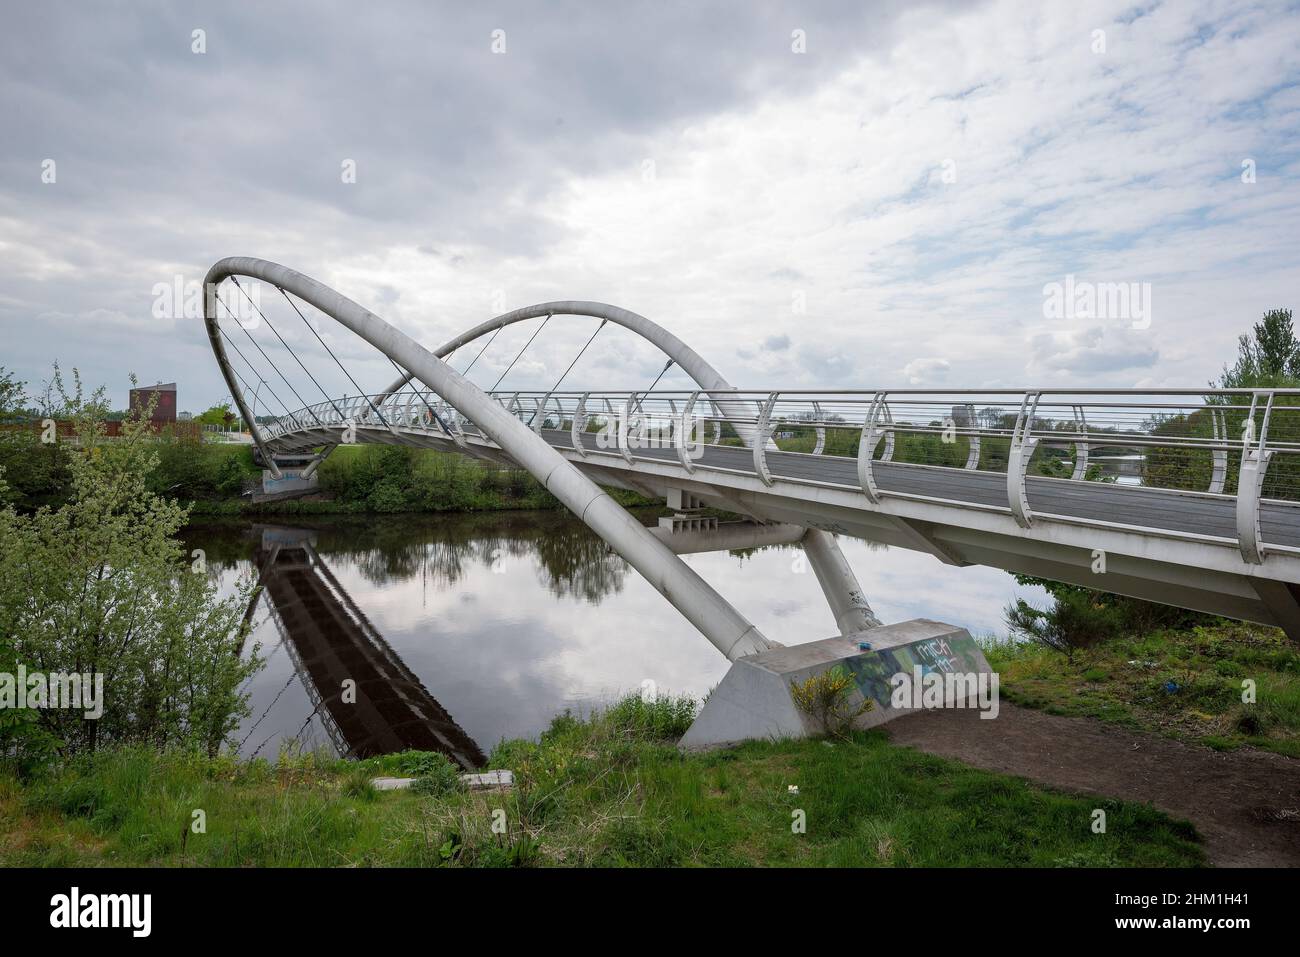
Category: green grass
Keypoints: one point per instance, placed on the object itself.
(1186, 683)
(610, 790)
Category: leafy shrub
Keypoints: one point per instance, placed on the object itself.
(387, 496)
(826, 699)
(435, 774)
(1078, 619)
(100, 586)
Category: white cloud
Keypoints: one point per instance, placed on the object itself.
(815, 213)
(925, 371)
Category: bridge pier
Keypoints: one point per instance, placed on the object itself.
(943, 665)
(694, 535)
(839, 584)
(287, 476)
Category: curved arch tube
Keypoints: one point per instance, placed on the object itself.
(724, 626)
(691, 362)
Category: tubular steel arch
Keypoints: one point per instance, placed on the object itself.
(724, 626)
(691, 362)
(841, 589)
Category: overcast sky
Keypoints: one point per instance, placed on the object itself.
(883, 209)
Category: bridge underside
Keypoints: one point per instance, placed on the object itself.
(1185, 555)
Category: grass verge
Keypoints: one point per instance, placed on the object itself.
(609, 790)
(1188, 684)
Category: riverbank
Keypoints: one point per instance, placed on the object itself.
(1241, 802)
(214, 479)
(383, 479)
(1188, 684)
(609, 790)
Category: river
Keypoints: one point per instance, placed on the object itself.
(452, 632)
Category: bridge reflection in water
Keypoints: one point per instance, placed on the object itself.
(337, 651)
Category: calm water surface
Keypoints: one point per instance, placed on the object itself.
(461, 630)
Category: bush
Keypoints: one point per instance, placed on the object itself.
(101, 587)
(657, 718)
(1076, 621)
(1081, 618)
(825, 698)
(435, 774)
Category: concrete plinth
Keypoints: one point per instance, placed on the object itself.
(291, 484)
(754, 701)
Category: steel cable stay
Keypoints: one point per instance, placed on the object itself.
(521, 353)
(465, 371)
(306, 322)
(287, 346)
(243, 382)
(667, 365)
(269, 360)
(641, 397)
(252, 368)
(565, 373)
(261, 379)
(420, 395)
(360, 391)
(409, 378)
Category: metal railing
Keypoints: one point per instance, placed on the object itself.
(1218, 443)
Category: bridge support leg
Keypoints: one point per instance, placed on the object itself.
(1282, 599)
(290, 476)
(839, 584)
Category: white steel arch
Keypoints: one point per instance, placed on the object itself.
(834, 574)
(724, 626)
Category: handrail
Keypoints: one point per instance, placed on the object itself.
(1066, 432)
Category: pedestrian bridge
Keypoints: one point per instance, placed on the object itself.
(1203, 512)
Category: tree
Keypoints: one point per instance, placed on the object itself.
(13, 397)
(36, 473)
(1078, 619)
(217, 415)
(1269, 359)
(100, 586)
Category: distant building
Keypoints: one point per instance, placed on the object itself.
(164, 410)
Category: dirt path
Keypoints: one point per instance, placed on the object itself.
(1246, 804)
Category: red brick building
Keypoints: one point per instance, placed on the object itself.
(164, 411)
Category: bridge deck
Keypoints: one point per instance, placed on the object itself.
(1196, 513)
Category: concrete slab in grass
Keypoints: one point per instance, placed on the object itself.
(481, 781)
